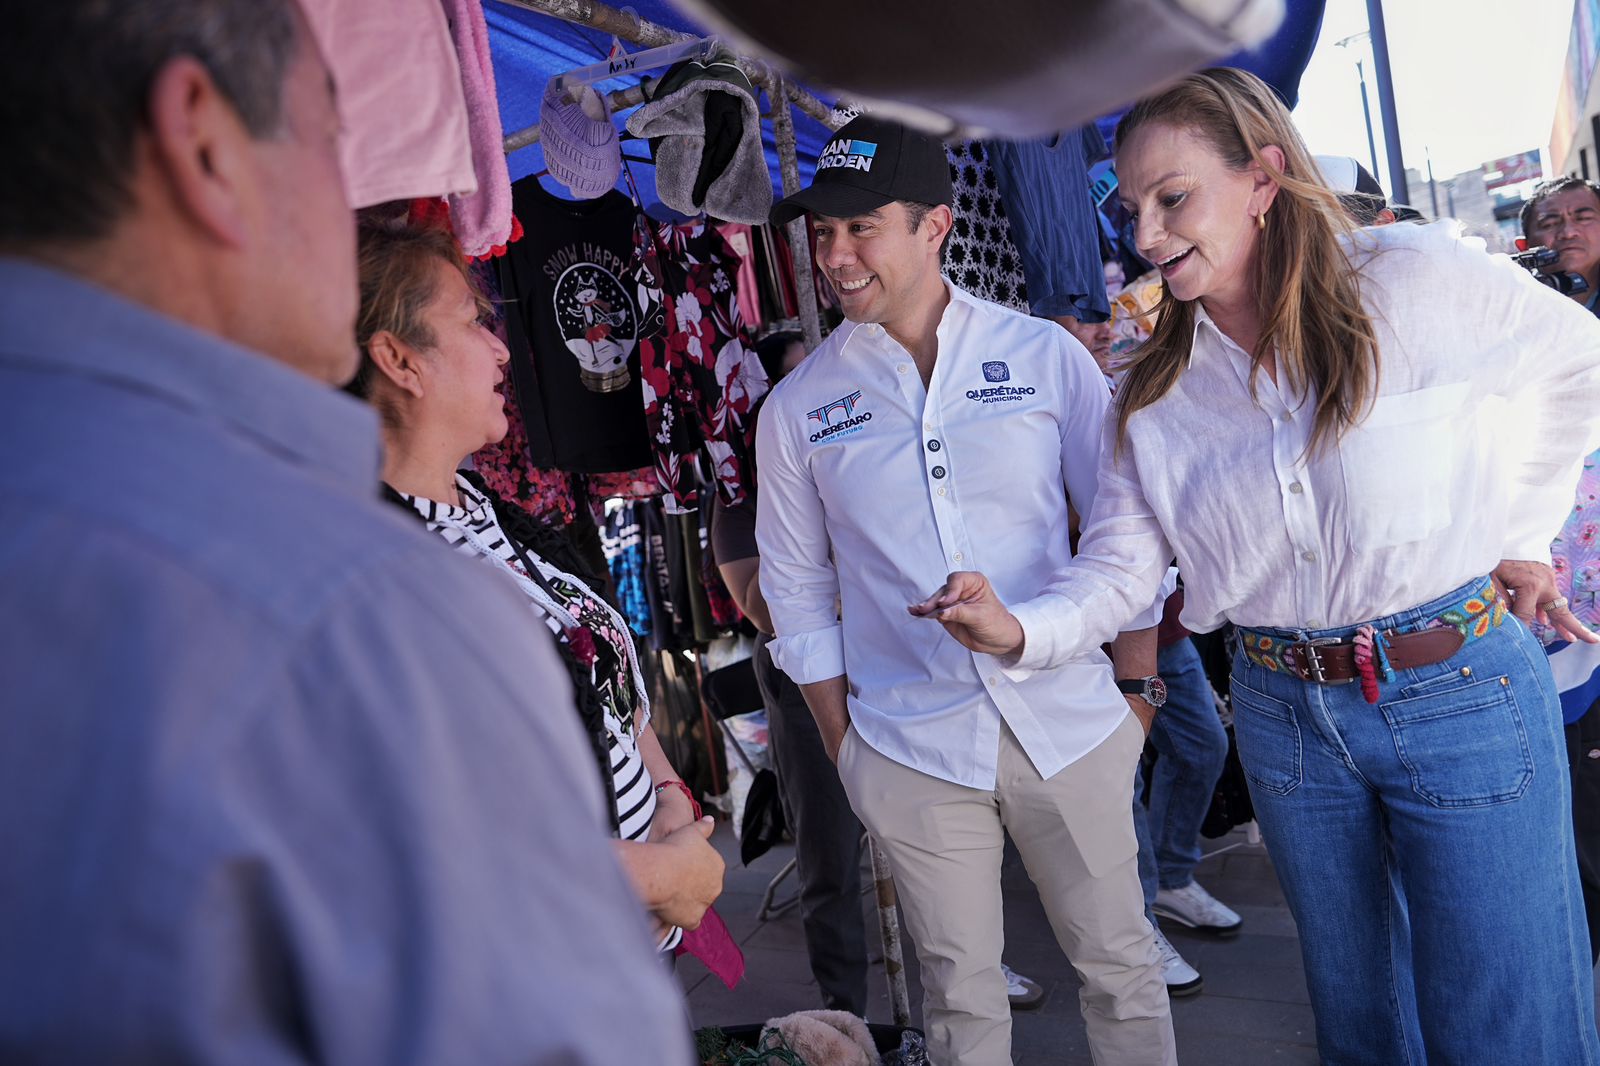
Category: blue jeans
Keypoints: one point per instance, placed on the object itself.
(1425, 846)
(1192, 747)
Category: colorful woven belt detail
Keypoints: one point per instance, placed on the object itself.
(1473, 617)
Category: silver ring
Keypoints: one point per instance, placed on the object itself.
(1557, 604)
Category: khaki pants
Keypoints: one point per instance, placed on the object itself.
(1075, 832)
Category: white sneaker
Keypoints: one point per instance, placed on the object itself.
(1196, 908)
(1182, 979)
(1024, 992)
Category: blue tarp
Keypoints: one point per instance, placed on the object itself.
(528, 49)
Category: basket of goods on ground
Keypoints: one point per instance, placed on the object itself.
(812, 1038)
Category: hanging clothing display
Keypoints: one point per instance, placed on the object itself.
(574, 329)
(699, 379)
(1053, 222)
(481, 219)
(403, 125)
(545, 494)
(623, 542)
(747, 284)
(980, 256)
(671, 626)
(725, 613)
(704, 129)
(640, 484)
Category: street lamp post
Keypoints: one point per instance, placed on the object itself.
(1391, 120)
(1366, 108)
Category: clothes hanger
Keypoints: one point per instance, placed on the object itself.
(635, 62)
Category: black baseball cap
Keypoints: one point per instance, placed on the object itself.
(869, 163)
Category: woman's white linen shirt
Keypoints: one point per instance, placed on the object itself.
(1488, 399)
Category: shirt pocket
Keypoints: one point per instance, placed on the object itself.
(1399, 467)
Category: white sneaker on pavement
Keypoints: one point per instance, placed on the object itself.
(1196, 908)
(1182, 979)
(1024, 992)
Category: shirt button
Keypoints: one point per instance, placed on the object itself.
(934, 445)
(941, 491)
(902, 368)
(1296, 488)
(1309, 557)
(938, 471)
(993, 680)
(1313, 624)
(956, 557)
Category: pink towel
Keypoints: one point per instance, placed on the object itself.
(399, 97)
(480, 219)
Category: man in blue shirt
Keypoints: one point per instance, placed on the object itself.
(281, 780)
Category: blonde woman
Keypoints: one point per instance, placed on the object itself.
(1358, 446)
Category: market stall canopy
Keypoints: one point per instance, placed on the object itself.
(1024, 69)
(529, 48)
(1279, 61)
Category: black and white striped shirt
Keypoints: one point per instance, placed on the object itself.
(474, 530)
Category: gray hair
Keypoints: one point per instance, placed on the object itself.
(76, 75)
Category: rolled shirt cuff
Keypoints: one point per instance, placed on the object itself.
(1529, 549)
(807, 658)
(1041, 633)
(1151, 616)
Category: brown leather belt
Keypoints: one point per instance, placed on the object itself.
(1333, 662)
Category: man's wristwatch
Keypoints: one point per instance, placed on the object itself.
(1151, 689)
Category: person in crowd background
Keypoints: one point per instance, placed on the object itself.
(930, 429)
(430, 366)
(1293, 434)
(271, 790)
(827, 834)
(1564, 215)
(1094, 336)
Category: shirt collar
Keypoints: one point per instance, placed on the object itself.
(475, 509)
(962, 303)
(1202, 320)
(57, 324)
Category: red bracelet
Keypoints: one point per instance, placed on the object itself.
(694, 804)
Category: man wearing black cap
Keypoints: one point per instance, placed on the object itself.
(934, 432)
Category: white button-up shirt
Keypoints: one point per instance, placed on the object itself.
(874, 489)
(1488, 399)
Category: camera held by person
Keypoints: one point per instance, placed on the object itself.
(1545, 264)
(1561, 227)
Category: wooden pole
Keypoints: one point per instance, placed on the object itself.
(894, 965)
(799, 239)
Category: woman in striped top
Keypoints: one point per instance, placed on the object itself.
(430, 364)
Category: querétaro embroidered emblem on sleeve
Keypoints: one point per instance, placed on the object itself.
(840, 416)
(996, 371)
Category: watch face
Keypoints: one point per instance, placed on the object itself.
(1157, 691)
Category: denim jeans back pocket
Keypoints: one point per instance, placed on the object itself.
(1268, 738)
(1464, 746)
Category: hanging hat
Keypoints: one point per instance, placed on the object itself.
(579, 141)
(705, 132)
